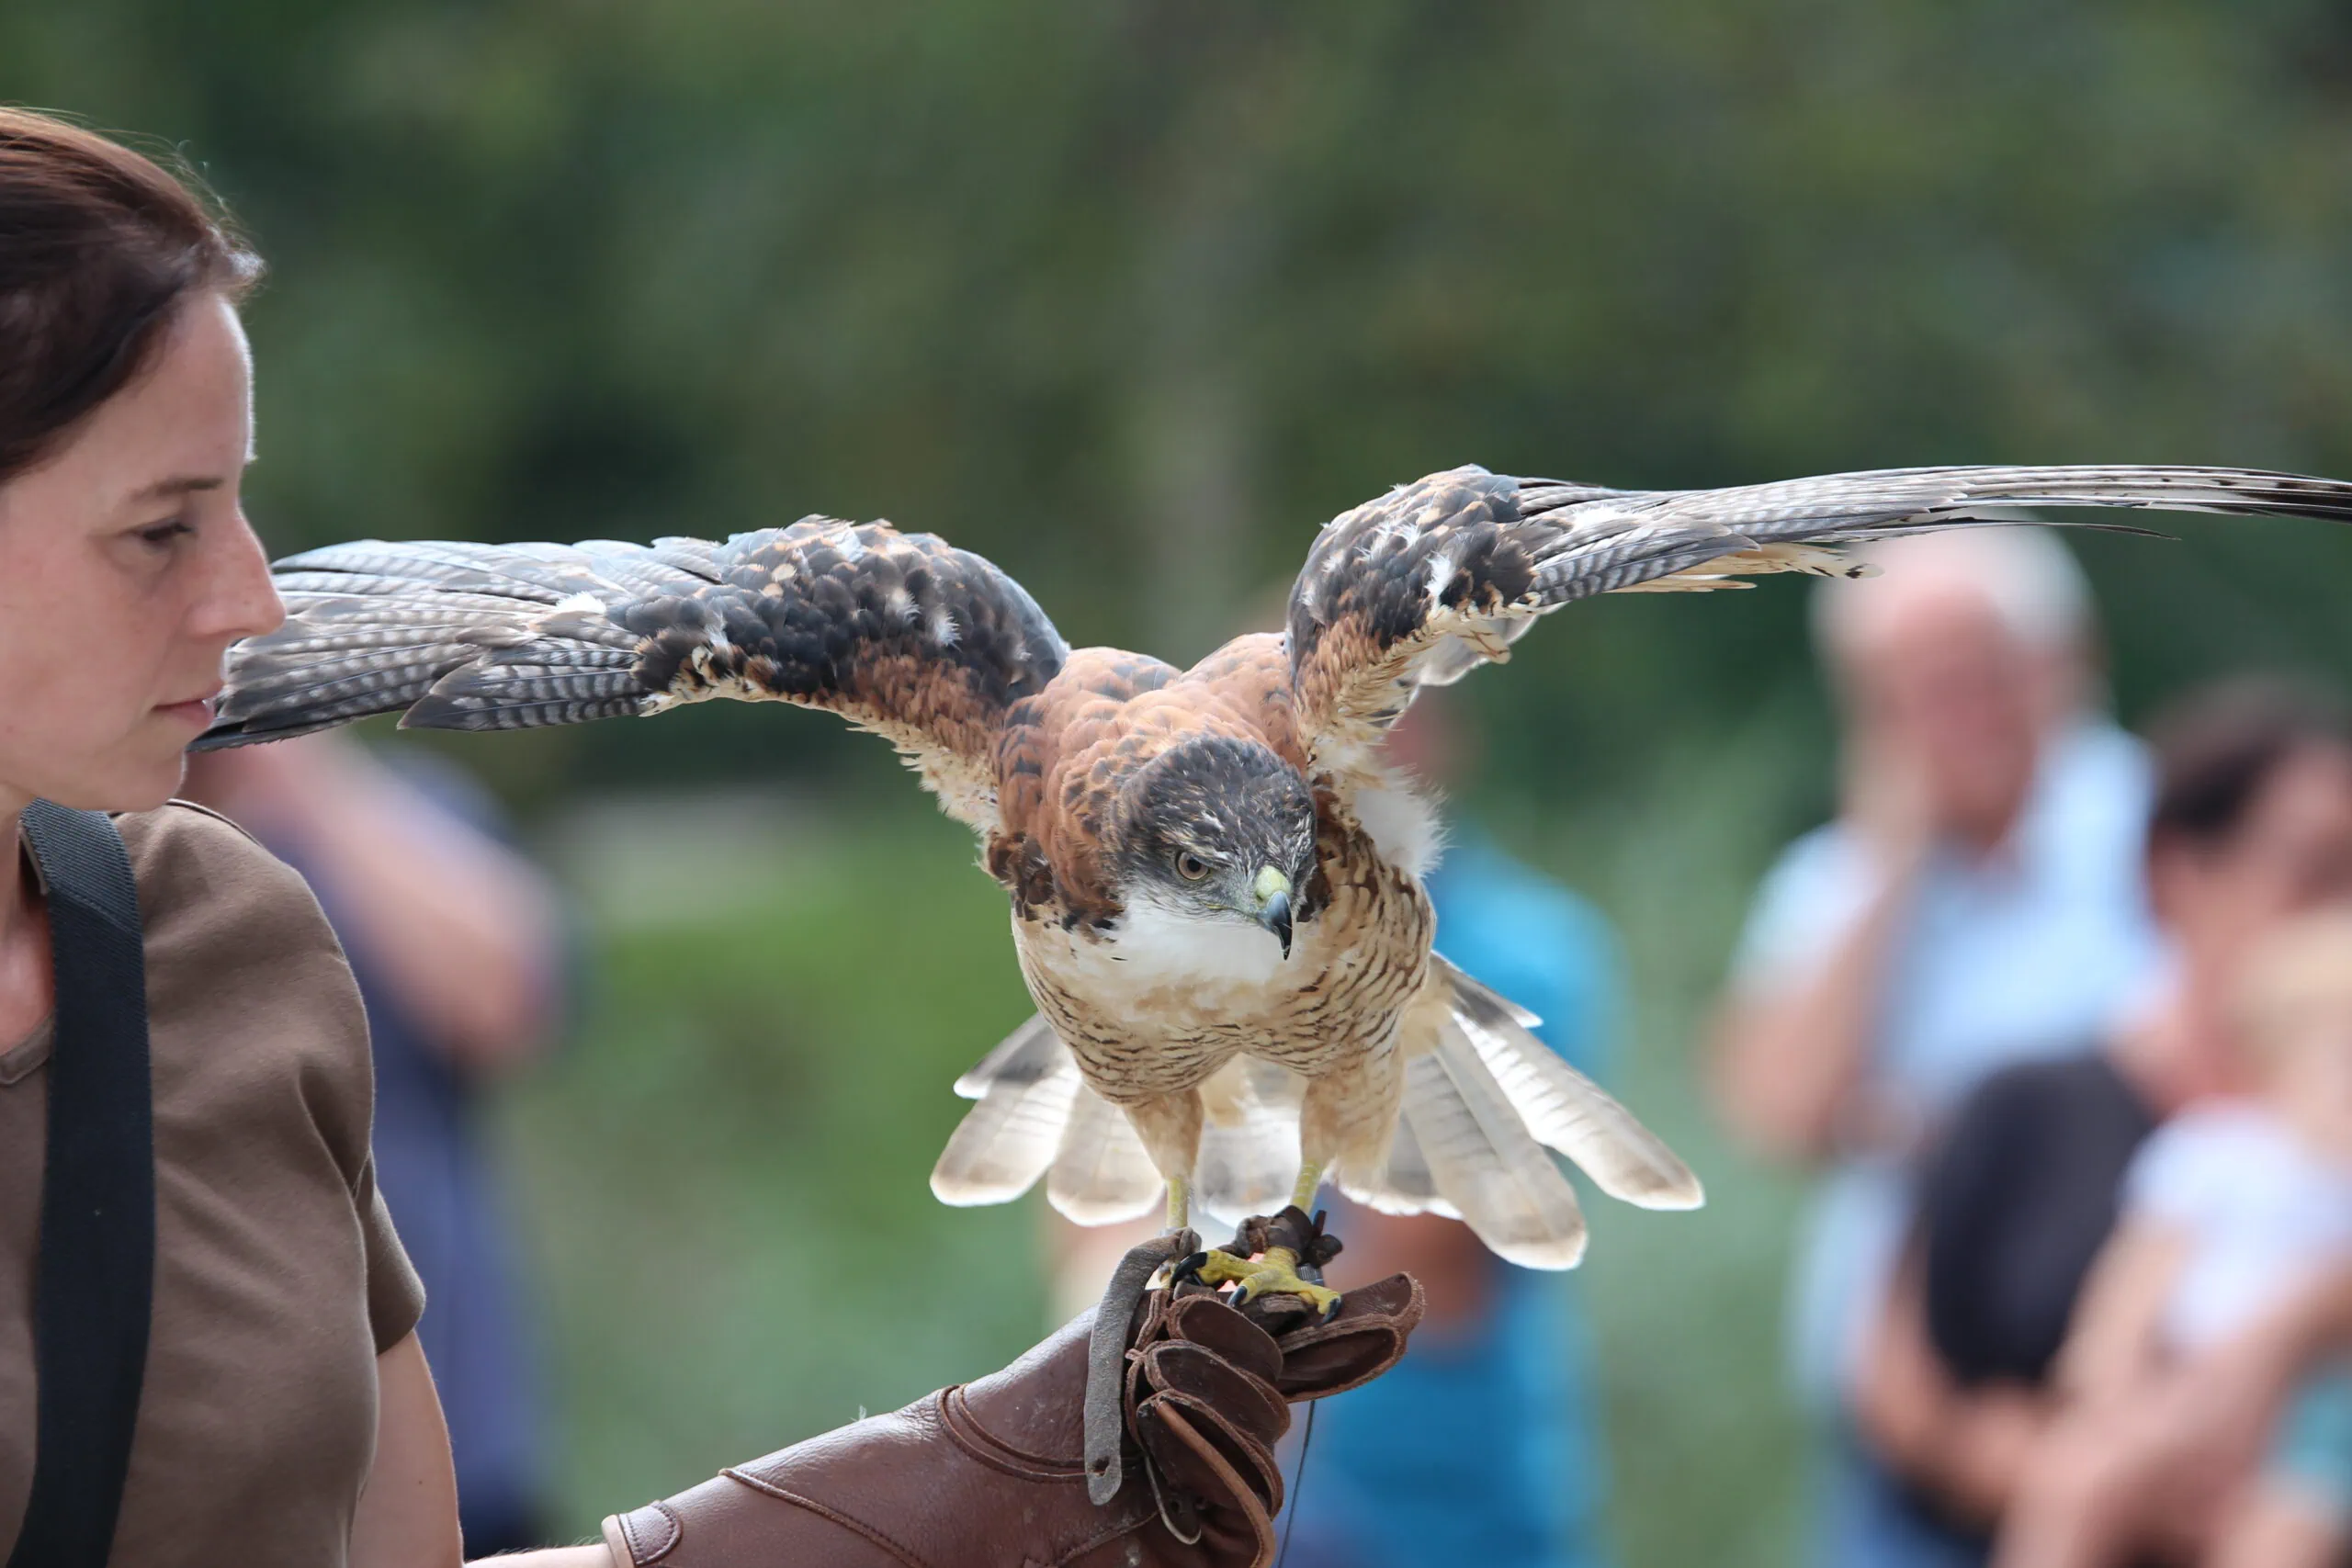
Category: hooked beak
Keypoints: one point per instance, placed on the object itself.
(1273, 892)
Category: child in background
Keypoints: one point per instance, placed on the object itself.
(2228, 1210)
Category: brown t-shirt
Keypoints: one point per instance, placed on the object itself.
(279, 1279)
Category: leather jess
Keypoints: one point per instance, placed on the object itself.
(990, 1474)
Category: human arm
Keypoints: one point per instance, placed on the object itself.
(992, 1474)
(2210, 1422)
(1788, 1059)
(407, 1516)
(1966, 1445)
(2113, 1339)
(1791, 1042)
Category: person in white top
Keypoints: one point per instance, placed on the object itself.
(2231, 1210)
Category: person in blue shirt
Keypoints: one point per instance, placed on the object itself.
(1482, 1446)
(1977, 902)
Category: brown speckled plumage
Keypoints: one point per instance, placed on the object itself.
(1158, 831)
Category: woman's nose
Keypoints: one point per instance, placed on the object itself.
(241, 600)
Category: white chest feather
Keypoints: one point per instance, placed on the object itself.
(1402, 821)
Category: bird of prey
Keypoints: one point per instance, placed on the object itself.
(1214, 874)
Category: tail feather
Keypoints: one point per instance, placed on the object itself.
(1566, 1110)
(1100, 1174)
(1404, 1185)
(1030, 1053)
(1025, 1087)
(1482, 1161)
(1035, 1116)
(1482, 1099)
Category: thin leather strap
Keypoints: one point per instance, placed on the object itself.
(1106, 1358)
(94, 1286)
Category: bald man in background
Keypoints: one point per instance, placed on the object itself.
(1976, 902)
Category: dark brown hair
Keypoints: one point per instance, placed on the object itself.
(2217, 747)
(99, 247)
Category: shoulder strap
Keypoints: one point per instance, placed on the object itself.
(95, 1284)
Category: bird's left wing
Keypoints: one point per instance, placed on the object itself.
(898, 633)
(1429, 582)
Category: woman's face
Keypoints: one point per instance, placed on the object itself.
(2291, 855)
(126, 569)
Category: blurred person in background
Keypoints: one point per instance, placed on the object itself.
(1960, 1391)
(1484, 1447)
(459, 949)
(1976, 902)
(2229, 1208)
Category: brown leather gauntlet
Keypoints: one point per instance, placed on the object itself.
(990, 1474)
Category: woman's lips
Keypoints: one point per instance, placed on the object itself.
(196, 711)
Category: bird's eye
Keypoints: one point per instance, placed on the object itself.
(1191, 867)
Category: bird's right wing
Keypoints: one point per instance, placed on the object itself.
(901, 634)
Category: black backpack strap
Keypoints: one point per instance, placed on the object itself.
(94, 1289)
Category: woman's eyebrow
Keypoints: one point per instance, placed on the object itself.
(179, 485)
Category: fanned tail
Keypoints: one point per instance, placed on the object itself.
(1564, 1109)
(1036, 1118)
(1482, 1160)
(1483, 1099)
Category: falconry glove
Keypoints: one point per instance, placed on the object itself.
(990, 1474)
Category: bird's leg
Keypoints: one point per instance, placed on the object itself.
(1351, 1114)
(1180, 1204)
(1282, 1255)
(1278, 1257)
(1170, 1126)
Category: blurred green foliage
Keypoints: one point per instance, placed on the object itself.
(1130, 296)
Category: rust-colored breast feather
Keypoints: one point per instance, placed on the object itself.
(1067, 752)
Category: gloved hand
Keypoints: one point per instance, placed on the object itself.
(991, 1473)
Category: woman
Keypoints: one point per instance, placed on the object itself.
(2252, 827)
(286, 1414)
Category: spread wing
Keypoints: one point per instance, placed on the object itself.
(1430, 580)
(901, 634)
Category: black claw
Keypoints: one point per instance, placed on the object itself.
(1189, 1271)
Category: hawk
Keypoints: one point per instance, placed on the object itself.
(1214, 874)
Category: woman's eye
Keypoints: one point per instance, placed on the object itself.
(1191, 867)
(162, 534)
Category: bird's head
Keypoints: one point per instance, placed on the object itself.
(1217, 829)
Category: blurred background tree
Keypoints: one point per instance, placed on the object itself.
(1130, 297)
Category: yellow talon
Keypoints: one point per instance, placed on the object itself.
(1275, 1273)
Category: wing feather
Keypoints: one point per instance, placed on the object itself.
(1424, 585)
(898, 633)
